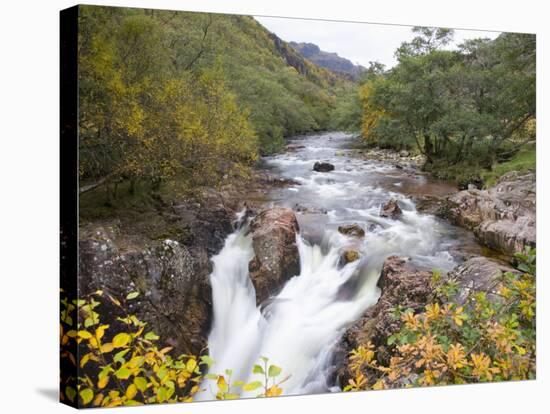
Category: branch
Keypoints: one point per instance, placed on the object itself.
(201, 51)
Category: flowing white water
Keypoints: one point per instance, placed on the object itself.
(297, 329)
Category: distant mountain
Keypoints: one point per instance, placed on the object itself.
(330, 61)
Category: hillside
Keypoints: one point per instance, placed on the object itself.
(330, 61)
(133, 61)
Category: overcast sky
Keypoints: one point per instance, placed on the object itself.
(358, 42)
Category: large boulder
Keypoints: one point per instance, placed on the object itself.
(502, 217)
(478, 274)
(323, 166)
(164, 254)
(276, 257)
(175, 293)
(391, 210)
(401, 284)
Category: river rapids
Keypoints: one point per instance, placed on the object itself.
(299, 328)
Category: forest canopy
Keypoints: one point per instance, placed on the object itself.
(474, 106)
(192, 95)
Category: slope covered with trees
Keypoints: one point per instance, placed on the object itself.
(468, 111)
(192, 95)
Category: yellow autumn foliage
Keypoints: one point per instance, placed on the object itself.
(477, 340)
(129, 368)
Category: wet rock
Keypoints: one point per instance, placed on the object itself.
(391, 210)
(479, 274)
(294, 147)
(404, 153)
(502, 217)
(401, 284)
(353, 230)
(323, 166)
(307, 209)
(429, 204)
(208, 221)
(276, 253)
(349, 256)
(273, 180)
(175, 293)
(372, 227)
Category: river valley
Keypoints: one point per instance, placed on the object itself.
(299, 327)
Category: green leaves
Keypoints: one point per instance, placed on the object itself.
(140, 383)
(257, 369)
(251, 386)
(70, 392)
(273, 371)
(127, 368)
(119, 356)
(120, 340)
(151, 336)
(87, 395)
(207, 360)
(123, 373)
(462, 109)
(132, 295)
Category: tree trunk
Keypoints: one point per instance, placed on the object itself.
(428, 147)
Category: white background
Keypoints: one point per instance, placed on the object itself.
(29, 204)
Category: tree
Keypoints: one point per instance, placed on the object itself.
(474, 105)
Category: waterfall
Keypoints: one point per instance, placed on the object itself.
(296, 329)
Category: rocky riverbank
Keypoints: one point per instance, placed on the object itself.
(164, 254)
(403, 286)
(502, 217)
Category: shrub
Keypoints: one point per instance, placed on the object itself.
(483, 339)
(126, 367)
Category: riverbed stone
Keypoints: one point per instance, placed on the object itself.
(293, 147)
(320, 166)
(391, 210)
(276, 257)
(309, 209)
(349, 256)
(352, 230)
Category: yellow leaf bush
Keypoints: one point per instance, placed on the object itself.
(449, 343)
(128, 368)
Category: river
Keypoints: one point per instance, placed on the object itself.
(299, 328)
